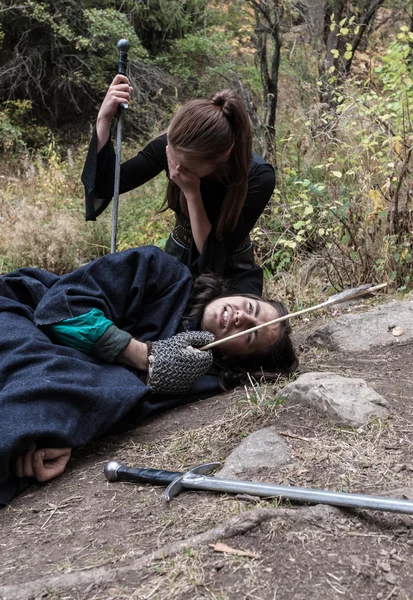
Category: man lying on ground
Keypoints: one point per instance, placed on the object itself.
(97, 350)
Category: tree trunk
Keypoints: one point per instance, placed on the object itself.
(268, 45)
(336, 10)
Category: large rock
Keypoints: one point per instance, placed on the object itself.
(342, 399)
(357, 332)
(261, 449)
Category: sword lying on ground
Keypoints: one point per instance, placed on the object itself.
(197, 479)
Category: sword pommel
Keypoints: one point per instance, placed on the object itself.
(111, 470)
(123, 45)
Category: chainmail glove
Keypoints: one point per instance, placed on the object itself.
(175, 364)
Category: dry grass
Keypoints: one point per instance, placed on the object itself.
(304, 284)
(54, 245)
(248, 409)
(42, 217)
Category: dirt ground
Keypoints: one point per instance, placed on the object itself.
(81, 537)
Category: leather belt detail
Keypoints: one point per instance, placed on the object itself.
(245, 245)
(182, 235)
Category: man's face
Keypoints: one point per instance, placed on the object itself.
(226, 316)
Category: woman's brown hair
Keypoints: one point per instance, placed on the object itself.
(205, 129)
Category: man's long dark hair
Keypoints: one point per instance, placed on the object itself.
(281, 359)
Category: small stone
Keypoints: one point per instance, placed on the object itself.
(358, 332)
(347, 400)
(263, 449)
(398, 468)
(390, 578)
(385, 566)
(356, 561)
(397, 331)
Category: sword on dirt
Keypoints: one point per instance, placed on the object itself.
(198, 479)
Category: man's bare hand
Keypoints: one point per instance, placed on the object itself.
(44, 464)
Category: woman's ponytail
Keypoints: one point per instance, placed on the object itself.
(232, 107)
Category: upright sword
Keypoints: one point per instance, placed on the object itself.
(123, 47)
(197, 479)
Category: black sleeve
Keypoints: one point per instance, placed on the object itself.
(260, 188)
(98, 174)
(142, 291)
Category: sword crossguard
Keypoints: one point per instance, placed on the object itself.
(176, 487)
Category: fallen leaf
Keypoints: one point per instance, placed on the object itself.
(220, 547)
(397, 331)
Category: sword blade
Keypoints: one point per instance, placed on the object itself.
(115, 209)
(192, 481)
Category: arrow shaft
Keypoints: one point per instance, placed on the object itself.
(335, 300)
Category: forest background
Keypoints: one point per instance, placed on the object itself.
(327, 84)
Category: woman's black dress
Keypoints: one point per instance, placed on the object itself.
(233, 257)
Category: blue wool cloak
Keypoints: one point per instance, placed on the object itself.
(57, 396)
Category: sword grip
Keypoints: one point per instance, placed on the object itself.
(123, 47)
(117, 472)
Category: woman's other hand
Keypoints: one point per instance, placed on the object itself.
(44, 464)
(188, 182)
